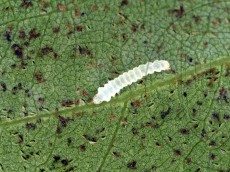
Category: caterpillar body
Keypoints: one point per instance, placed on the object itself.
(114, 86)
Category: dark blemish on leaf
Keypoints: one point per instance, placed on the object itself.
(172, 91)
(134, 28)
(26, 156)
(216, 116)
(8, 36)
(65, 162)
(26, 3)
(185, 94)
(14, 90)
(134, 131)
(106, 8)
(136, 103)
(212, 143)
(63, 121)
(79, 28)
(143, 136)
(116, 154)
(190, 59)
(184, 131)
(205, 94)
(27, 92)
(165, 113)
(77, 12)
(226, 117)
(197, 170)
(177, 152)
(39, 78)
(211, 81)
(61, 7)
(56, 158)
(19, 85)
(58, 130)
(199, 103)
(188, 160)
(22, 34)
(212, 156)
(67, 103)
(124, 3)
(18, 50)
(132, 164)
(90, 138)
(193, 112)
(82, 14)
(30, 126)
(69, 141)
(4, 87)
(82, 148)
(26, 43)
(33, 34)
(124, 36)
(84, 93)
(56, 30)
(20, 139)
(170, 138)
(69, 169)
(94, 7)
(197, 19)
(223, 95)
(13, 65)
(195, 126)
(203, 132)
(85, 51)
(46, 50)
(177, 12)
(145, 42)
(41, 100)
(188, 82)
(158, 144)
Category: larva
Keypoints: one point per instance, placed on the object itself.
(114, 86)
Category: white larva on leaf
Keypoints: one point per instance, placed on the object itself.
(114, 86)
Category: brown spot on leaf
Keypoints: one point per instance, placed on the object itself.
(4, 87)
(56, 30)
(22, 34)
(116, 154)
(177, 152)
(26, 3)
(134, 28)
(94, 7)
(67, 103)
(46, 50)
(197, 19)
(33, 34)
(177, 12)
(132, 164)
(61, 7)
(77, 12)
(18, 50)
(223, 95)
(79, 28)
(82, 148)
(136, 103)
(20, 139)
(124, 2)
(106, 8)
(184, 131)
(63, 121)
(39, 78)
(30, 126)
(85, 51)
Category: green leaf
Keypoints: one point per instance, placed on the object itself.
(55, 54)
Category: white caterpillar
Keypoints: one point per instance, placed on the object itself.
(114, 86)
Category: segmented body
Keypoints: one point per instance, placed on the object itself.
(114, 86)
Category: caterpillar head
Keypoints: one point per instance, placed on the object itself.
(97, 99)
